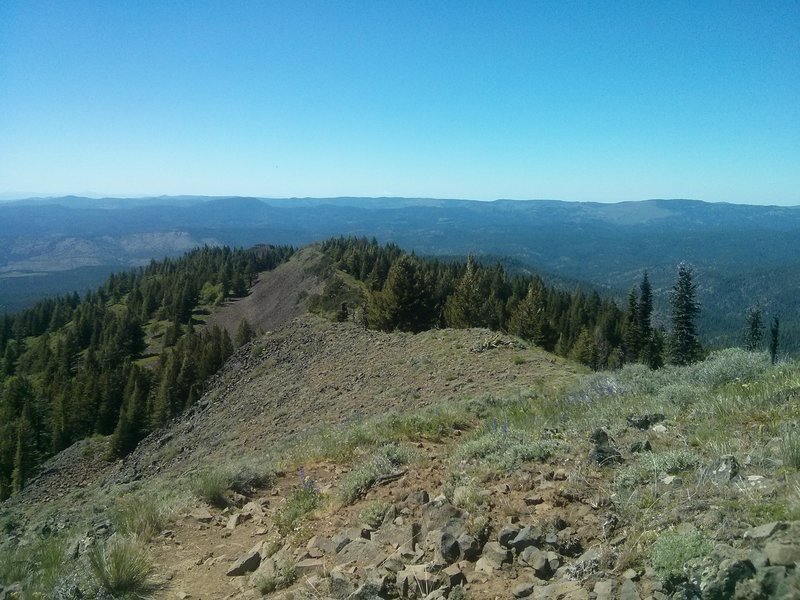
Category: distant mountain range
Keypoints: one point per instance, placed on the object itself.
(743, 255)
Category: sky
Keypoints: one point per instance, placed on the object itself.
(590, 100)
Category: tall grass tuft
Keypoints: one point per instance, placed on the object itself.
(142, 516)
(39, 567)
(210, 486)
(790, 448)
(123, 568)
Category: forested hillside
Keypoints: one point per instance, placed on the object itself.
(411, 294)
(121, 360)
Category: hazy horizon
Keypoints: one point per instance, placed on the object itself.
(15, 197)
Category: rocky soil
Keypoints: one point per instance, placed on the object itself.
(547, 533)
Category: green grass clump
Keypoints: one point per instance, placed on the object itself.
(382, 462)
(790, 448)
(141, 516)
(300, 503)
(373, 513)
(680, 395)
(654, 465)
(672, 550)
(342, 444)
(283, 578)
(469, 498)
(506, 449)
(14, 565)
(759, 510)
(210, 486)
(39, 567)
(431, 424)
(122, 568)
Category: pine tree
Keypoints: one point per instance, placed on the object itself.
(132, 424)
(684, 344)
(754, 330)
(528, 319)
(585, 350)
(632, 338)
(650, 348)
(774, 332)
(405, 302)
(244, 333)
(24, 456)
(226, 345)
(466, 307)
(645, 310)
(166, 405)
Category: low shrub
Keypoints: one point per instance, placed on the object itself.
(725, 366)
(672, 550)
(680, 395)
(790, 448)
(505, 447)
(373, 514)
(283, 578)
(383, 461)
(654, 465)
(247, 479)
(303, 499)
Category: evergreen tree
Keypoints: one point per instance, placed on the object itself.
(226, 346)
(244, 333)
(166, 404)
(132, 424)
(653, 354)
(651, 346)
(632, 338)
(774, 332)
(585, 350)
(528, 319)
(466, 307)
(645, 310)
(24, 457)
(187, 381)
(684, 344)
(405, 302)
(754, 330)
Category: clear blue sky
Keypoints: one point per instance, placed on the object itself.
(606, 100)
